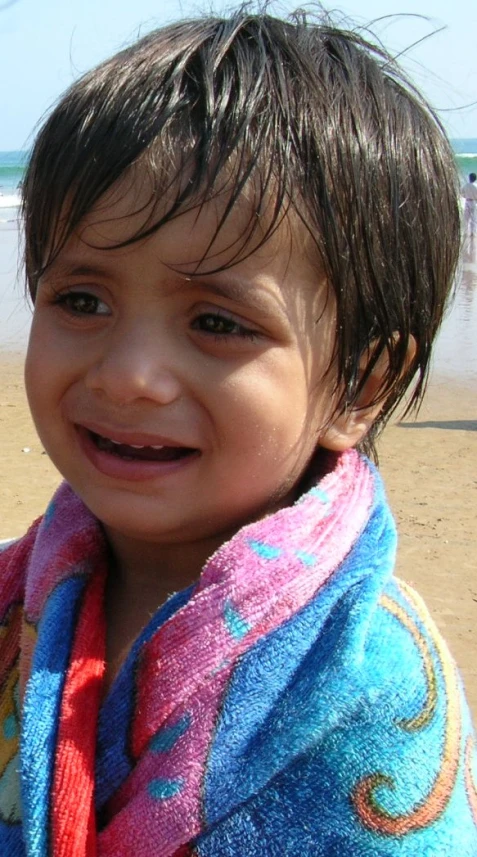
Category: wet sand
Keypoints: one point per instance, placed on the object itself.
(429, 466)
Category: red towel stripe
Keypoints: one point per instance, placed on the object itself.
(72, 810)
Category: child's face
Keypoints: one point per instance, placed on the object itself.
(180, 408)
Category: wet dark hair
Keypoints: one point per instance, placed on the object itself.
(319, 122)
(472, 177)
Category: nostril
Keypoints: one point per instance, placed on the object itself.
(125, 382)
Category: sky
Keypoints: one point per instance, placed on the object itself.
(46, 44)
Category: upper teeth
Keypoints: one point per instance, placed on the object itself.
(137, 445)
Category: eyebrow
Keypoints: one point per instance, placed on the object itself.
(59, 268)
(232, 287)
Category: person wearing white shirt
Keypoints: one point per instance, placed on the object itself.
(469, 192)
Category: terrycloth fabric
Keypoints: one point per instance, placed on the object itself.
(296, 701)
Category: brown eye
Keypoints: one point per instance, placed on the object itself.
(223, 328)
(82, 303)
(217, 324)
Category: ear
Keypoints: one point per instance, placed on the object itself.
(352, 424)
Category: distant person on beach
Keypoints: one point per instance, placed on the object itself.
(238, 267)
(469, 192)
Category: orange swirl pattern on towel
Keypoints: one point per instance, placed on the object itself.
(371, 814)
(470, 785)
(413, 724)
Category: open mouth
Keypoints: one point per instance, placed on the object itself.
(133, 452)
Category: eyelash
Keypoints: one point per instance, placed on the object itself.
(230, 327)
(235, 329)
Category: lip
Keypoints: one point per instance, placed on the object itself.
(135, 470)
(130, 438)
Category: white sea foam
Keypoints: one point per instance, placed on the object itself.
(9, 200)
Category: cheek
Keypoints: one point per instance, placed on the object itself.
(267, 406)
(37, 389)
(33, 370)
(44, 367)
(52, 354)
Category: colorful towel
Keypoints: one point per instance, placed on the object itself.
(296, 701)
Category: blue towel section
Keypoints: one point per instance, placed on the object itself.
(353, 687)
(41, 711)
(11, 840)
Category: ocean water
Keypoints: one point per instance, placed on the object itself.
(12, 166)
(466, 155)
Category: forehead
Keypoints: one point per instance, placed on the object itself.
(205, 236)
(222, 252)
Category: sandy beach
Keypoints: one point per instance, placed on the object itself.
(429, 466)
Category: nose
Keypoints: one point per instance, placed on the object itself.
(133, 364)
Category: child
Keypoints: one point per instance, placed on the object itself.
(238, 267)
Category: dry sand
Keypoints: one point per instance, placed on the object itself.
(430, 471)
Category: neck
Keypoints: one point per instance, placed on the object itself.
(152, 570)
(142, 576)
(148, 572)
